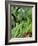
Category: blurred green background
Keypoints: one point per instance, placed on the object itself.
(21, 22)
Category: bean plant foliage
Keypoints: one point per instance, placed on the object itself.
(21, 22)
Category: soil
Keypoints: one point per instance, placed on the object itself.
(28, 34)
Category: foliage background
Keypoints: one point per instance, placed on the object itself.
(23, 23)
